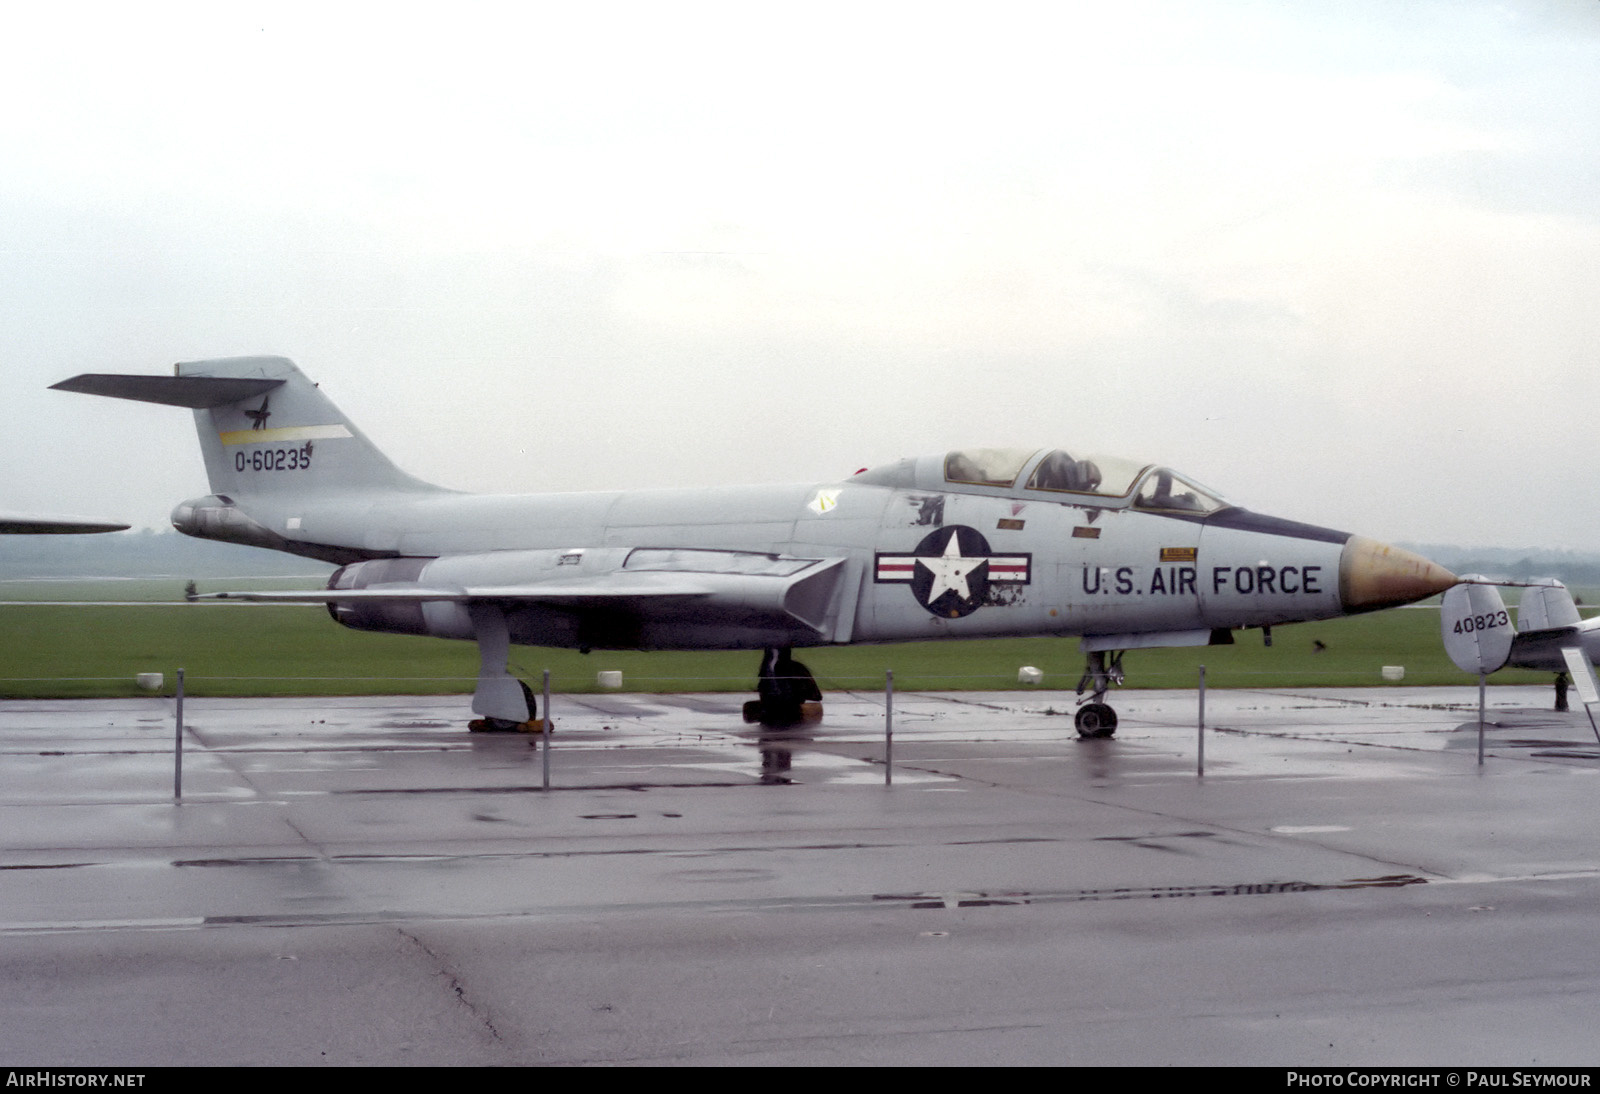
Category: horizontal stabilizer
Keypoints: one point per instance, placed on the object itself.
(194, 392)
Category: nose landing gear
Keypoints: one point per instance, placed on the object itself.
(1095, 718)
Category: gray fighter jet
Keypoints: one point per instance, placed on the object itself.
(969, 544)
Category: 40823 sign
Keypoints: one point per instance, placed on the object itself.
(1487, 621)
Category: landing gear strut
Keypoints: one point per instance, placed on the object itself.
(505, 702)
(788, 693)
(1095, 718)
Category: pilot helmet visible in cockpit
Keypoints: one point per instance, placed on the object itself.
(1059, 471)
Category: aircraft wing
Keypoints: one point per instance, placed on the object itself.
(553, 593)
(723, 598)
(718, 589)
(35, 524)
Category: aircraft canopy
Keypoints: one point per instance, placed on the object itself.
(1138, 485)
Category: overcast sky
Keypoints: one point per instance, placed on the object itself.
(1339, 262)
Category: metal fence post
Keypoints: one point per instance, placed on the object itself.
(888, 727)
(544, 730)
(177, 747)
(1483, 680)
(1200, 752)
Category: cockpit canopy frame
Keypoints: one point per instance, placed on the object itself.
(1105, 482)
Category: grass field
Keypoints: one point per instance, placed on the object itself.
(61, 646)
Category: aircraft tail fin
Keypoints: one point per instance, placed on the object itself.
(1547, 606)
(265, 429)
(1476, 626)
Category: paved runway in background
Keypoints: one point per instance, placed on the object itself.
(359, 881)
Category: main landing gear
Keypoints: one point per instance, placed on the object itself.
(506, 725)
(1095, 718)
(505, 702)
(788, 693)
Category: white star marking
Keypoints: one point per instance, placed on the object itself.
(950, 571)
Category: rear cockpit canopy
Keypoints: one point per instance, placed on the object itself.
(1107, 482)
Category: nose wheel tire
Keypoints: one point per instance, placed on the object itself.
(1096, 720)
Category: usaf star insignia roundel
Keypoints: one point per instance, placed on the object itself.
(952, 572)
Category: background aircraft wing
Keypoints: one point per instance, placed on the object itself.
(35, 524)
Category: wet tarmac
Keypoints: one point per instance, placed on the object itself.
(359, 881)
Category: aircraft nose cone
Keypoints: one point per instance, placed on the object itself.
(1374, 575)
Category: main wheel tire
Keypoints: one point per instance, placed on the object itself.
(493, 725)
(533, 704)
(1096, 720)
(786, 717)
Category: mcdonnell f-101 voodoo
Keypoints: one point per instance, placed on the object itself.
(974, 543)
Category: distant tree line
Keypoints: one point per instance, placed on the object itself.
(142, 554)
(1573, 568)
